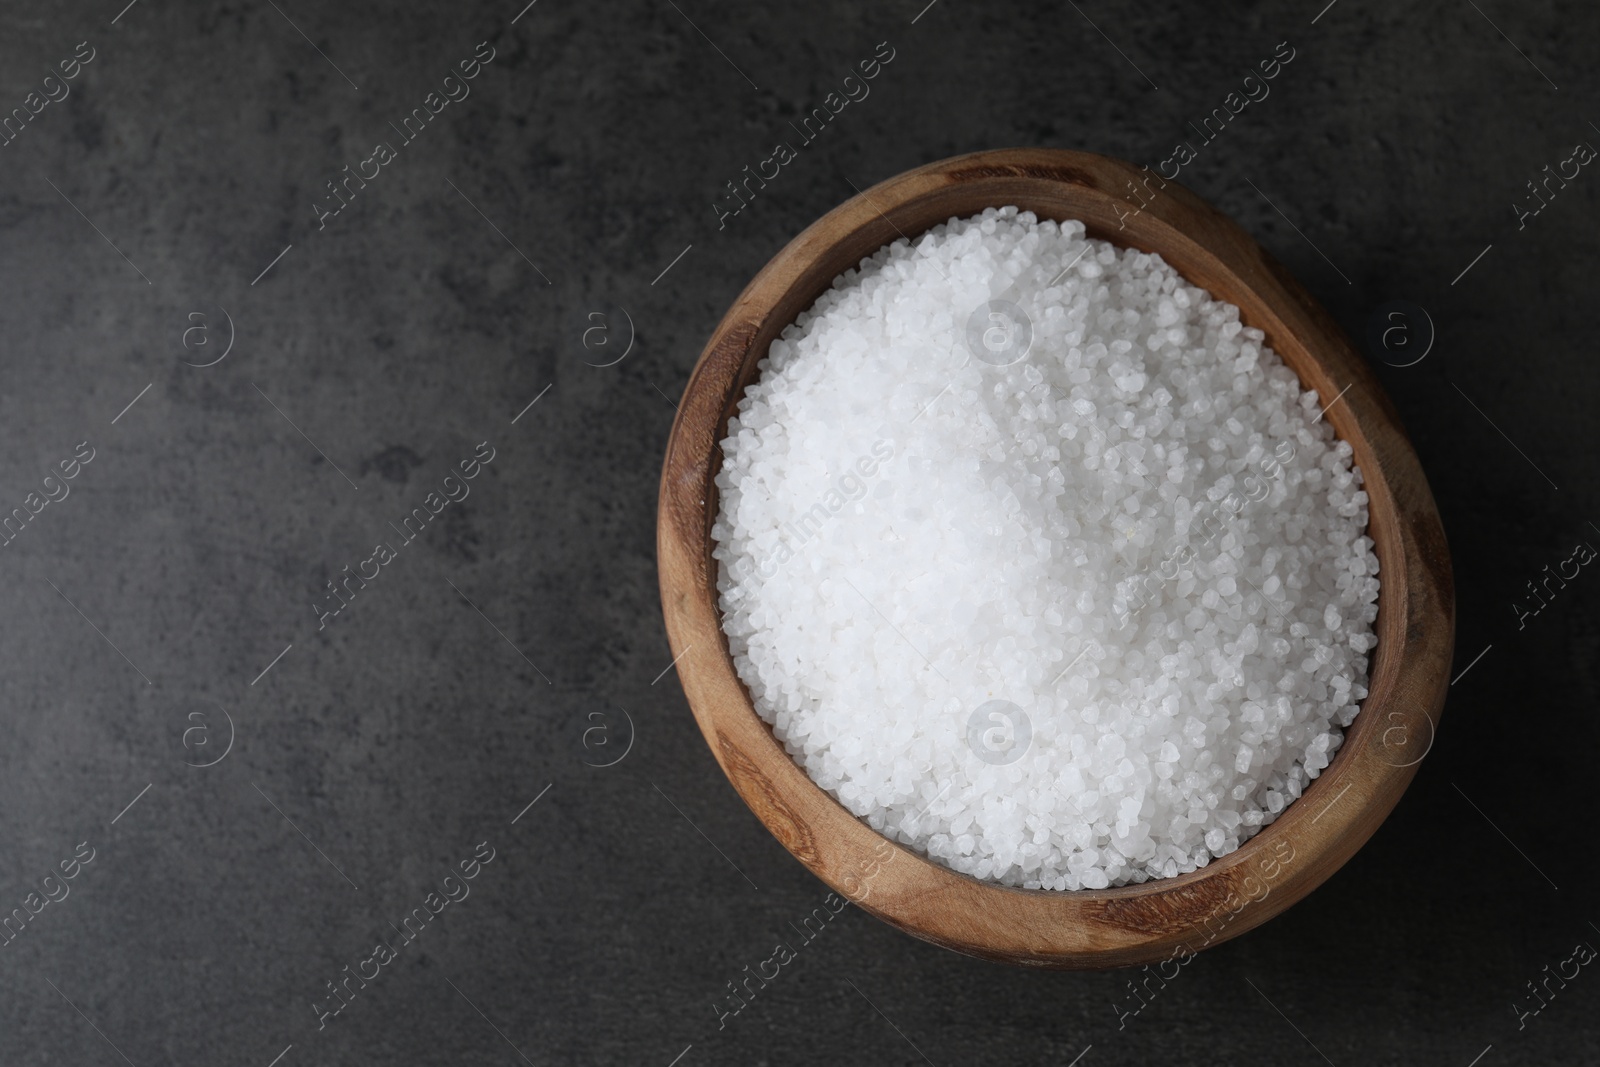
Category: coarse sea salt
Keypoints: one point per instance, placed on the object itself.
(1040, 561)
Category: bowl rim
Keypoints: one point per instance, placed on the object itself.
(1140, 922)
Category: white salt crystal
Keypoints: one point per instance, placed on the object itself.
(908, 534)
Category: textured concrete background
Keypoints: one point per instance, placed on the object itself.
(457, 688)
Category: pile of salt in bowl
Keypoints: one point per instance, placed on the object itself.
(1040, 561)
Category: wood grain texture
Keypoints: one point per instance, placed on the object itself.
(1090, 928)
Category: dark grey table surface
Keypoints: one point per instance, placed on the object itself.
(171, 602)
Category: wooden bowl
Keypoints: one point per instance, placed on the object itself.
(1157, 920)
